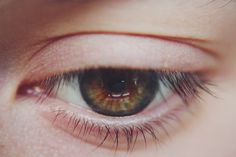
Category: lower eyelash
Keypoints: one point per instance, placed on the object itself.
(117, 135)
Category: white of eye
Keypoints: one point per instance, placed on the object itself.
(70, 93)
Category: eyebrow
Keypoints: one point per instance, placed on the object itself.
(226, 2)
(210, 2)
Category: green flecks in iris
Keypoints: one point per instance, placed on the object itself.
(126, 105)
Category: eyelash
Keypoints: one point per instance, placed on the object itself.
(186, 85)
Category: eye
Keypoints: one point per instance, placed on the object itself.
(113, 106)
(118, 93)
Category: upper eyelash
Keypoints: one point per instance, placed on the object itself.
(184, 84)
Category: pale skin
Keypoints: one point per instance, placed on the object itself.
(25, 26)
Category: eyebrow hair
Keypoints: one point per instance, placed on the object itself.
(227, 2)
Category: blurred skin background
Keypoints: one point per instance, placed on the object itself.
(27, 26)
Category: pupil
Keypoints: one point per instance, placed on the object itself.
(117, 88)
(118, 92)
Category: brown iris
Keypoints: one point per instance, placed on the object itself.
(116, 92)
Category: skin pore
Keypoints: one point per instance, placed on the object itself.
(28, 26)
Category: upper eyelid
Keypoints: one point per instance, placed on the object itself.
(49, 52)
(195, 42)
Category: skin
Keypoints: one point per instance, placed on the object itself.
(26, 24)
